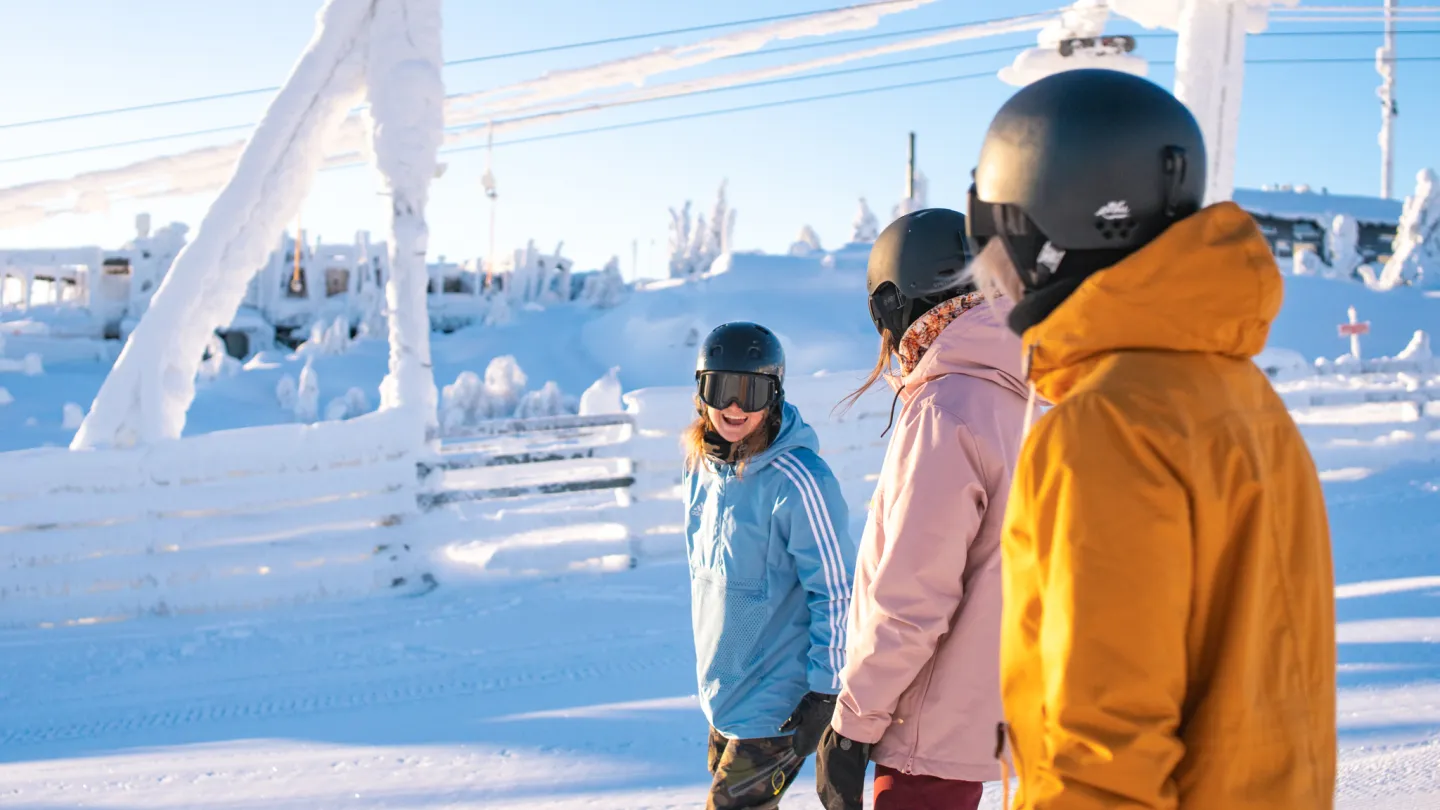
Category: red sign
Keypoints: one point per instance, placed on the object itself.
(1351, 329)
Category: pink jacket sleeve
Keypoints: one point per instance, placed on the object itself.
(929, 504)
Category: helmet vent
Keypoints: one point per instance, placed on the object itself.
(1114, 229)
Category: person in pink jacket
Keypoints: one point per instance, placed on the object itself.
(920, 690)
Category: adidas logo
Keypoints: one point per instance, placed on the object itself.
(697, 509)
(1116, 209)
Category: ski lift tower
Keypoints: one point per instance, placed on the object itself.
(1385, 64)
(1074, 40)
(1209, 68)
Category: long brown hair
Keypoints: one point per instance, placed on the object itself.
(883, 364)
(695, 440)
(992, 273)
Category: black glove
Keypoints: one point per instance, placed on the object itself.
(840, 771)
(810, 718)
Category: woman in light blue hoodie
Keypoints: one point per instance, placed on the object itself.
(770, 570)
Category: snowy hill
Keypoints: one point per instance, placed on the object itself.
(815, 304)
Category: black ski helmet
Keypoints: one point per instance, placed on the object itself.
(917, 262)
(746, 348)
(1085, 161)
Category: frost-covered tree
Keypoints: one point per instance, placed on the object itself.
(603, 289)
(680, 238)
(1342, 259)
(307, 398)
(694, 244)
(865, 228)
(909, 205)
(699, 247)
(548, 401)
(1416, 259)
(286, 392)
(722, 227)
(603, 395)
(807, 243)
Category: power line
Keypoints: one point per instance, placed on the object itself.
(578, 109)
(690, 30)
(707, 91)
(803, 100)
(490, 57)
(725, 111)
(118, 144)
(749, 85)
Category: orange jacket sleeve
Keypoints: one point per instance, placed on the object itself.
(1109, 523)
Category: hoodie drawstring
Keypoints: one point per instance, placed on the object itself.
(893, 403)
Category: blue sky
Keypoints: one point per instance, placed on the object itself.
(787, 167)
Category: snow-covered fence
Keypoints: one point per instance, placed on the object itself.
(517, 458)
(233, 519)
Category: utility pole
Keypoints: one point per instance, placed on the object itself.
(910, 171)
(488, 182)
(1385, 64)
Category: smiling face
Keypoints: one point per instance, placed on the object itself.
(733, 424)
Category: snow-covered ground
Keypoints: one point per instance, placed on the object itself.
(571, 684)
(574, 691)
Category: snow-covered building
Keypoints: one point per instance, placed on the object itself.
(302, 283)
(1298, 218)
(90, 291)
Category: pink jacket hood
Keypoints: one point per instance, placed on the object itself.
(978, 344)
(921, 678)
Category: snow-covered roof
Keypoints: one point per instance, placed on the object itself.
(1322, 208)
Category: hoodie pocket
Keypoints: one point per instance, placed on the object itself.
(731, 620)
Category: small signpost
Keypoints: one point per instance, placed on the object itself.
(1353, 330)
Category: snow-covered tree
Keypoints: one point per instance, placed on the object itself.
(603, 289)
(557, 286)
(807, 243)
(332, 338)
(286, 392)
(680, 238)
(71, 415)
(1416, 258)
(865, 228)
(603, 395)
(919, 201)
(307, 398)
(699, 247)
(548, 401)
(1342, 259)
(504, 384)
(694, 244)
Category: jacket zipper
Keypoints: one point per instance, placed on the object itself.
(920, 711)
(715, 552)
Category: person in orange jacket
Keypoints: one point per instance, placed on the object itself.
(1168, 630)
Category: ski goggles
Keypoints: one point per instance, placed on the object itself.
(1021, 237)
(752, 392)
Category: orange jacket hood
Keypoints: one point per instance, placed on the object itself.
(1208, 284)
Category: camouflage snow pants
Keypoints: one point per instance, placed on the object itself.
(750, 774)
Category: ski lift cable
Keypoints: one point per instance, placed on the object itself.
(469, 60)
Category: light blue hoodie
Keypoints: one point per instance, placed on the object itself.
(770, 578)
